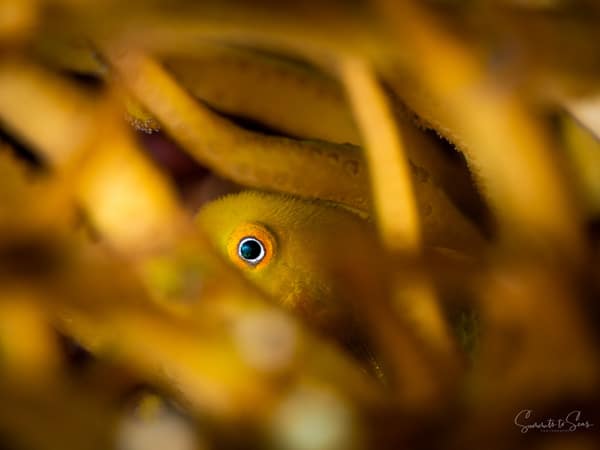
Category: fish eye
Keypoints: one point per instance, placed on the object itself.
(251, 250)
(251, 246)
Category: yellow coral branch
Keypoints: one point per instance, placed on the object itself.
(393, 192)
(507, 148)
(305, 168)
(397, 214)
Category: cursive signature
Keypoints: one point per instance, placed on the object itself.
(569, 423)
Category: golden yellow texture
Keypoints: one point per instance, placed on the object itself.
(315, 225)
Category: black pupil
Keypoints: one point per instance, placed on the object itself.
(250, 249)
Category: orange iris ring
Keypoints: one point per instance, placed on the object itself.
(258, 232)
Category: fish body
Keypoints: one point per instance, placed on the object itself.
(301, 240)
